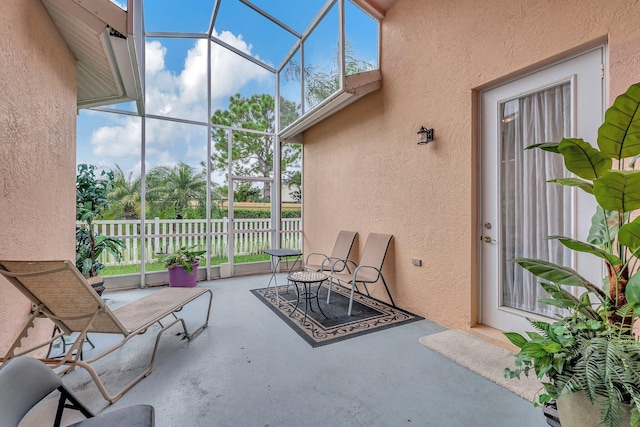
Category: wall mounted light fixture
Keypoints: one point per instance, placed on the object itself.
(425, 135)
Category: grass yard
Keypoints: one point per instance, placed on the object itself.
(159, 266)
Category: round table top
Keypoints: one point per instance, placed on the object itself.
(307, 276)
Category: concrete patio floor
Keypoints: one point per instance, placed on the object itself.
(248, 368)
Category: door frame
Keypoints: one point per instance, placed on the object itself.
(478, 153)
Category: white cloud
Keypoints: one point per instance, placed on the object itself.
(230, 71)
(119, 142)
(178, 94)
(183, 95)
(192, 80)
(154, 57)
(196, 153)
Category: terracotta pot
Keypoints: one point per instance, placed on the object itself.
(178, 278)
(575, 410)
(97, 283)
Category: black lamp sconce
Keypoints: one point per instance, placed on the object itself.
(425, 135)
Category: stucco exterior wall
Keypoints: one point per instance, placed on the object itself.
(363, 170)
(37, 151)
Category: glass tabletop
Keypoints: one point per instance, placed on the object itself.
(282, 252)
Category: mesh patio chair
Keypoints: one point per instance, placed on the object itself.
(318, 262)
(368, 271)
(61, 293)
(25, 381)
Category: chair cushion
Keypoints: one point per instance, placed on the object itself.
(131, 416)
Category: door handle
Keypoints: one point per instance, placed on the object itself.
(488, 239)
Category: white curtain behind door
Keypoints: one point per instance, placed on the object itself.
(533, 209)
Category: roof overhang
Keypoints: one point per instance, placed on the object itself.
(108, 44)
(355, 87)
(377, 8)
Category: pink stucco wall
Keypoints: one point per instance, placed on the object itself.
(37, 151)
(365, 172)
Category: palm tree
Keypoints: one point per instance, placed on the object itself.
(154, 195)
(125, 196)
(180, 187)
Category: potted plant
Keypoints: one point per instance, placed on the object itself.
(182, 266)
(91, 201)
(590, 353)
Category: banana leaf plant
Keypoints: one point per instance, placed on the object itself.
(599, 322)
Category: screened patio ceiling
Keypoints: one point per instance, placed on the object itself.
(322, 54)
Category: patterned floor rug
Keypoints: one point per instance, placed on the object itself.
(368, 315)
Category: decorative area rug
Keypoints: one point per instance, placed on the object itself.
(368, 315)
(483, 358)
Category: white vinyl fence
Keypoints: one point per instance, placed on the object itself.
(251, 236)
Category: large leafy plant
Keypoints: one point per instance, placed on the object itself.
(592, 348)
(91, 201)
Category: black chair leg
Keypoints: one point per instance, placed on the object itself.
(388, 293)
(56, 330)
(74, 404)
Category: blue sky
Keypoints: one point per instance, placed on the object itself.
(176, 74)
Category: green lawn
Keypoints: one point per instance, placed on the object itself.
(158, 266)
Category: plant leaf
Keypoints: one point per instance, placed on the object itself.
(552, 272)
(565, 299)
(618, 190)
(552, 147)
(580, 246)
(532, 350)
(629, 235)
(604, 227)
(559, 274)
(632, 291)
(574, 182)
(516, 339)
(558, 364)
(619, 134)
(552, 347)
(554, 302)
(534, 336)
(582, 159)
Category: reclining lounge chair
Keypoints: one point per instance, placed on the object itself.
(60, 292)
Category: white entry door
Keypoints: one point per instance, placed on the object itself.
(518, 208)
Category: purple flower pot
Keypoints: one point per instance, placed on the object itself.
(178, 278)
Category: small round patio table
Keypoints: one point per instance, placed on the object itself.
(307, 279)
